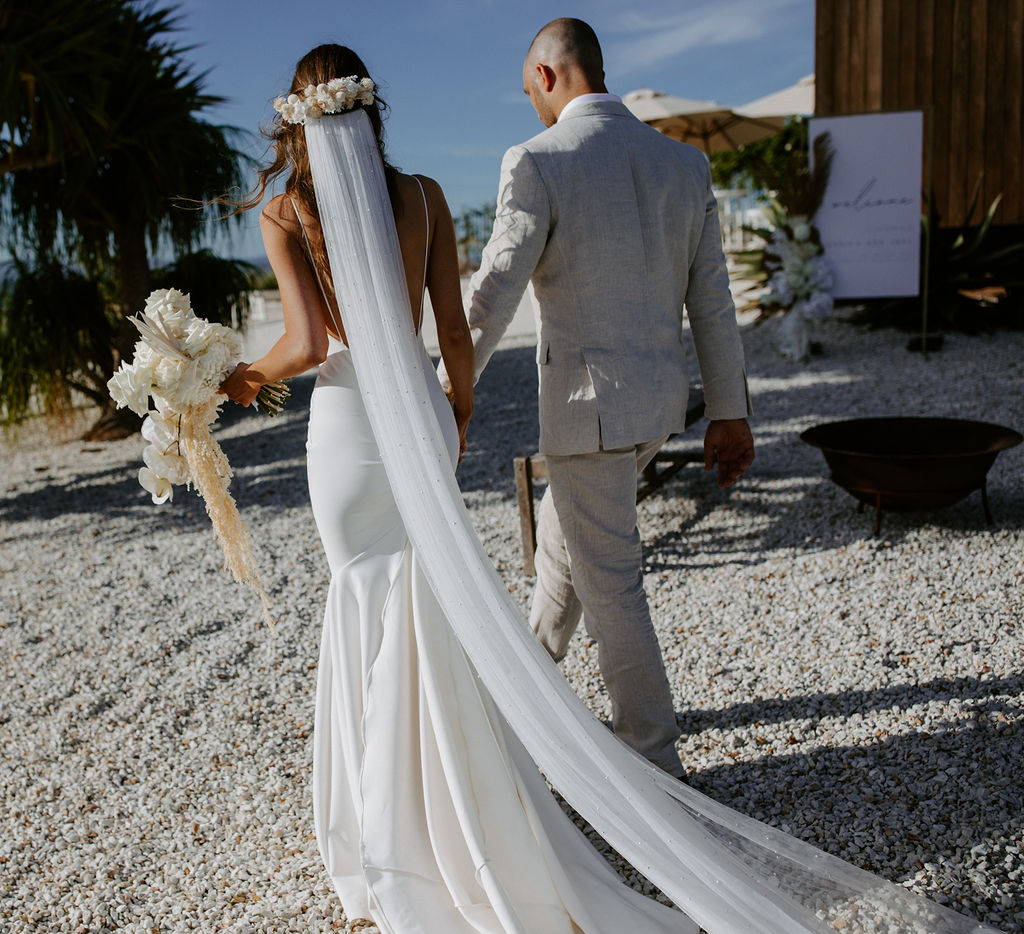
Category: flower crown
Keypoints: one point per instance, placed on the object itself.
(315, 101)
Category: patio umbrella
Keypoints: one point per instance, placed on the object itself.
(796, 100)
(707, 124)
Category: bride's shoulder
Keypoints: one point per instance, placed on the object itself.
(431, 188)
(280, 212)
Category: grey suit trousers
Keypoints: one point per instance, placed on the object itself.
(589, 561)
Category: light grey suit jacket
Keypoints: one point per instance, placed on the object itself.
(617, 227)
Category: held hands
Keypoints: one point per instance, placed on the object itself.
(241, 385)
(463, 413)
(728, 443)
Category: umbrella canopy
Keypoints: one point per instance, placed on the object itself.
(796, 100)
(707, 124)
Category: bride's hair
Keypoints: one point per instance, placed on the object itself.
(288, 145)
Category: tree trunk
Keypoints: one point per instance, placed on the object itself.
(134, 279)
(132, 288)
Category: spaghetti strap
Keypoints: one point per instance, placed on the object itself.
(312, 262)
(426, 252)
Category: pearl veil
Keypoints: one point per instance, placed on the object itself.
(728, 872)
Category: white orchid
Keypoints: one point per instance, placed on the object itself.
(158, 487)
(166, 463)
(161, 430)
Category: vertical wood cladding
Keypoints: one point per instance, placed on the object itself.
(961, 61)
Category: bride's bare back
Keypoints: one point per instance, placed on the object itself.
(426, 237)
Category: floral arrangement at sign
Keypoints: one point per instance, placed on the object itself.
(180, 363)
(800, 279)
(315, 101)
(792, 262)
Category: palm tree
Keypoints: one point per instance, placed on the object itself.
(109, 190)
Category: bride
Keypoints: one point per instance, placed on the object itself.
(437, 712)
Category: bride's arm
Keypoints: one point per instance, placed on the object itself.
(304, 342)
(445, 290)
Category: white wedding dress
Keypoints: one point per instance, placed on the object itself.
(436, 708)
(430, 816)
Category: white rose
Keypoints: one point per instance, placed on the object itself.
(801, 231)
(130, 386)
(781, 289)
(173, 306)
(367, 83)
(169, 373)
(200, 335)
(144, 356)
(818, 305)
(159, 487)
(822, 277)
(167, 464)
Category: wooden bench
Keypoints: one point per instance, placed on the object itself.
(662, 468)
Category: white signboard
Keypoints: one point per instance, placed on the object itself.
(870, 217)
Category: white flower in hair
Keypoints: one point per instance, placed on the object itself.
(334, 96)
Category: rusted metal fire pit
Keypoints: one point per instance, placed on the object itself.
(904, 464)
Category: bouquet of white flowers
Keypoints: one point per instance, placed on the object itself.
(800, 280)
(180, 362)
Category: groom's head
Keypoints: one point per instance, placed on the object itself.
(563, 62)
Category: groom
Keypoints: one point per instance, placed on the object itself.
(617, 228)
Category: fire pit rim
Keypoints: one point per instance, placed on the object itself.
(1009, 437)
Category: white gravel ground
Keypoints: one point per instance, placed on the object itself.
(864, 694)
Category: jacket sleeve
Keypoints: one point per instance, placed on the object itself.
(712, 315)
(520, 233)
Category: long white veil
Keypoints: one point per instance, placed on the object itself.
(729, 873)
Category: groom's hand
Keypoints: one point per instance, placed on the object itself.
(730, 444)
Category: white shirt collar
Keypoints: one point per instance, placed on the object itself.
(588, 99)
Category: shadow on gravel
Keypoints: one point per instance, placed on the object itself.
(934, 793)
(843, 703)
(852, 800)
(822, 518)
(505, 426)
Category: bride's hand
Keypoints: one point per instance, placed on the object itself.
(240, 385)
(462, 416)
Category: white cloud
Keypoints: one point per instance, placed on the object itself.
(654, 37)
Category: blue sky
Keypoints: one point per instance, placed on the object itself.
(450, 69)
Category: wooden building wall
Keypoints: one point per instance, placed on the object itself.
(961, 61)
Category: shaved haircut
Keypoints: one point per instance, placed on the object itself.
(569, 41)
